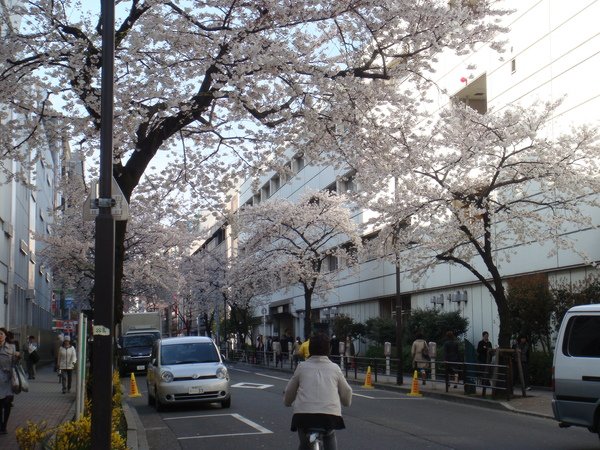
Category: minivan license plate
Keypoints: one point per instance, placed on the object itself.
(142, 367)
(195, 390)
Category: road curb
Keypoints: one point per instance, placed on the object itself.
(136, 434)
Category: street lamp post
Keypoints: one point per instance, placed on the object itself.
(104, 295)
(399, 377)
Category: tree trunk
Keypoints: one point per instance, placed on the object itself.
(307, 311)
(504, 316)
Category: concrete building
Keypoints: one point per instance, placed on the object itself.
(26, 210)
(551, 52)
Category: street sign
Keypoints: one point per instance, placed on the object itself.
(120, 210)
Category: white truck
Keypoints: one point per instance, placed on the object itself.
(146, 322)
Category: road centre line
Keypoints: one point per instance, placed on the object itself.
(383, 398)
(271, 376)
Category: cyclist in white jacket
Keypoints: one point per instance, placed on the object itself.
(317, 391)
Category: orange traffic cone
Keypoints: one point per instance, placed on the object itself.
(133, 389)
(414, 390)
(368, 384)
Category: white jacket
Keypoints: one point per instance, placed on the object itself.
(318, 386)
(67, 357)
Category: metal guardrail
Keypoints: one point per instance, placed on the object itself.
(495, 377)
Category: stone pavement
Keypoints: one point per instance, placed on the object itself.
(44, 402)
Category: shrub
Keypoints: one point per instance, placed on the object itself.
(434, 324)
(540, 369)
(76, 434)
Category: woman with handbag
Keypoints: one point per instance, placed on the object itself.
(7, 359)
(67, 357)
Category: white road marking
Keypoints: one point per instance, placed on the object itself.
(271, 376)
(259, 429)
(252, 424)
(245, 385)
(370, 397)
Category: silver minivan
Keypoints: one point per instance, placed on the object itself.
(187, 370)
(576, 371)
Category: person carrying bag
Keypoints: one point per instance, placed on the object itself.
(8, 356)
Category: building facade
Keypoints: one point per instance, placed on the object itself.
(551, 53)
(27, 203)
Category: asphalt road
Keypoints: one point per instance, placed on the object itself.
(377, 419)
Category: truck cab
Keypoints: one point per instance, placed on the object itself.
(134, 352)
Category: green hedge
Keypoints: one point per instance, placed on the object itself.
(540, 369)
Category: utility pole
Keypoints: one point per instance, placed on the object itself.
(399, 379)
(397, 228)
(104, 297)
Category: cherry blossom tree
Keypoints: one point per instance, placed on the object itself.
(471, 189)
(218, 274)
(219, 86)
(292, 241)
(155, 243)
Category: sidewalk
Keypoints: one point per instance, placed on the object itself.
(538, 401)
(44, 401)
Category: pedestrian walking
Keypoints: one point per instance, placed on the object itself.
(304, 350)
(522, 347)
(276, 345)
(349, 352)
(420, 356)
(335, 349)
(296, 350)
(32, 356)
(8, 356)
(484, 355)
(451, 357)
(67, 358)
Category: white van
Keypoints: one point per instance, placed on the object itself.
(576, 371)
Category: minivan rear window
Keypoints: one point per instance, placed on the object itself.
(582, 337)
(189, 353)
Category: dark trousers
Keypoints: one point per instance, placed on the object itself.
(66, 378)
(5, 405)
(30, 368)
(329, 440)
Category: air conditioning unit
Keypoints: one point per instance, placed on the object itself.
(8, 229)
(438, 299)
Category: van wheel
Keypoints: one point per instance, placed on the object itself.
(226, 403)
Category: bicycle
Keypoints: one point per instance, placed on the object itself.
(315, 438)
